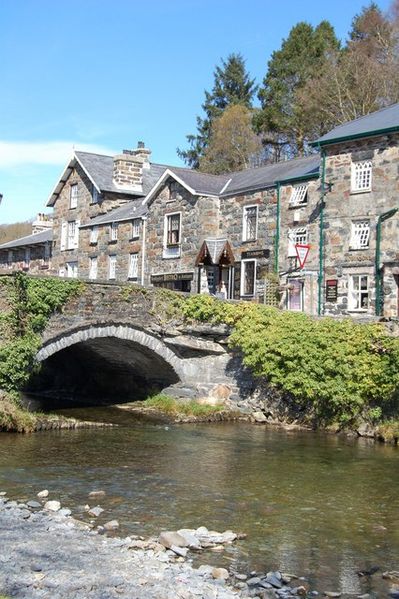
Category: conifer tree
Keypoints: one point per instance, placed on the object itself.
(232, 85)
(302, 55)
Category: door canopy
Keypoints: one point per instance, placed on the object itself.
(215, 252)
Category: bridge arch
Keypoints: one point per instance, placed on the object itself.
(106, 363)
(121, 331)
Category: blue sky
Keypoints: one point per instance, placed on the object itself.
(101, 75)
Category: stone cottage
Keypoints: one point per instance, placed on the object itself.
(317, 234)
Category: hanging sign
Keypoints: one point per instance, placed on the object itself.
(255, 254)
(302, 251)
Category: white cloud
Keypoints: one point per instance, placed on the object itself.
(15, 153)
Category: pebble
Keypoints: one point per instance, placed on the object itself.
(65, 512)
(96, 511)
(333, 594)
(220, 573)
(33, 504)
(52, 506)
(43, 494)
(94, 494)
(111, 525)
(169, 538)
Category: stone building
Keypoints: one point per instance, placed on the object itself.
(317, 234)
(31, 253)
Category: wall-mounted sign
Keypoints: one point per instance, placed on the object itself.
(255, 254)
(172, 276)
(331, 290)
(302, 251)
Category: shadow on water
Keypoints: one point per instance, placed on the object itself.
(311, 504)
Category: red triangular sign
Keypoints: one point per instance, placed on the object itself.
(302, 251)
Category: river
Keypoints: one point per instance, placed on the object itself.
(315, 505)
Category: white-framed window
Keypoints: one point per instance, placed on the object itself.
(27, 258)
(133, 266)
(93, 267)
(358, 296)
(136, 228)
(172, 235)
(360, 235)
(72, 234)
(73, 196)
(113, 232)
(299, 195)
(112, 267)
(72, 270)
(361, 175)
(296, 236)
(248, 277)
(94, 195)
(250, 223)
(94, 234)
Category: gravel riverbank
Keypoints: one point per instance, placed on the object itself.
(51, 555)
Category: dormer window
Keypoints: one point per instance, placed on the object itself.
(299, 196)
(250, 223)
(73, 196)
(361, 176)
(113, 232)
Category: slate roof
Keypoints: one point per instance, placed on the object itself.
(215, 248)
(267, 176)
(202, 183)
(100, 168)
(130, 210)
(386, 119)
(33, 239)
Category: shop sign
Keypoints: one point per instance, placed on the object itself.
(331, 290)
(172, 276)
(255, 254)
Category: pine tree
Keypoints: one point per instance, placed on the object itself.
(232, 85)
(302, 55)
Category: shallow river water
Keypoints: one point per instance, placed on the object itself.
(311, 504)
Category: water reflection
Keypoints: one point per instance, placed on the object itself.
(311, 504)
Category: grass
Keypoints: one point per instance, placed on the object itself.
(173, 407)
(13, 418)
(389, 430)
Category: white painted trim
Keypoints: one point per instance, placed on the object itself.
(244, 208)
(69, 166)
(225, 186)
(242, 277)
(161, 180)
(143, 249)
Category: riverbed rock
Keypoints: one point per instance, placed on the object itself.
(393, 575)
(190, 538)
(220, 573)
(259, 417)
(65, 512)
(95, 494)
(95, 511)
(52, 506)
(33, 504)
(180, 551)
(169, 538)
(111, 525)
(43, 494)
(332, 594)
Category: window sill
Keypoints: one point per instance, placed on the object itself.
(134, 238)
(112, 241)
(177, 257)
(359, 249)
(359, 311)
(296, 206)
(94, 203)
(93, 242)
(355, 192)
(132, 278)
(250, 240)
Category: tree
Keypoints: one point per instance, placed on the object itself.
(359, 79)
(232, 85)
(233, 144)
(302, 55)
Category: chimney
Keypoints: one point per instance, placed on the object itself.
(42, 223)
(128, 168)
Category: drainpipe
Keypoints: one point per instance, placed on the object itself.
(277, 237)
(378, 270)
(143, 250)
(320, 307)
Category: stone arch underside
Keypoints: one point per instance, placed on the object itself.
(106, 364)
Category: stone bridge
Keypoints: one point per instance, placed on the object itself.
(120, 342)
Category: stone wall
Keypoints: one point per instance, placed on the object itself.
(344, 207)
